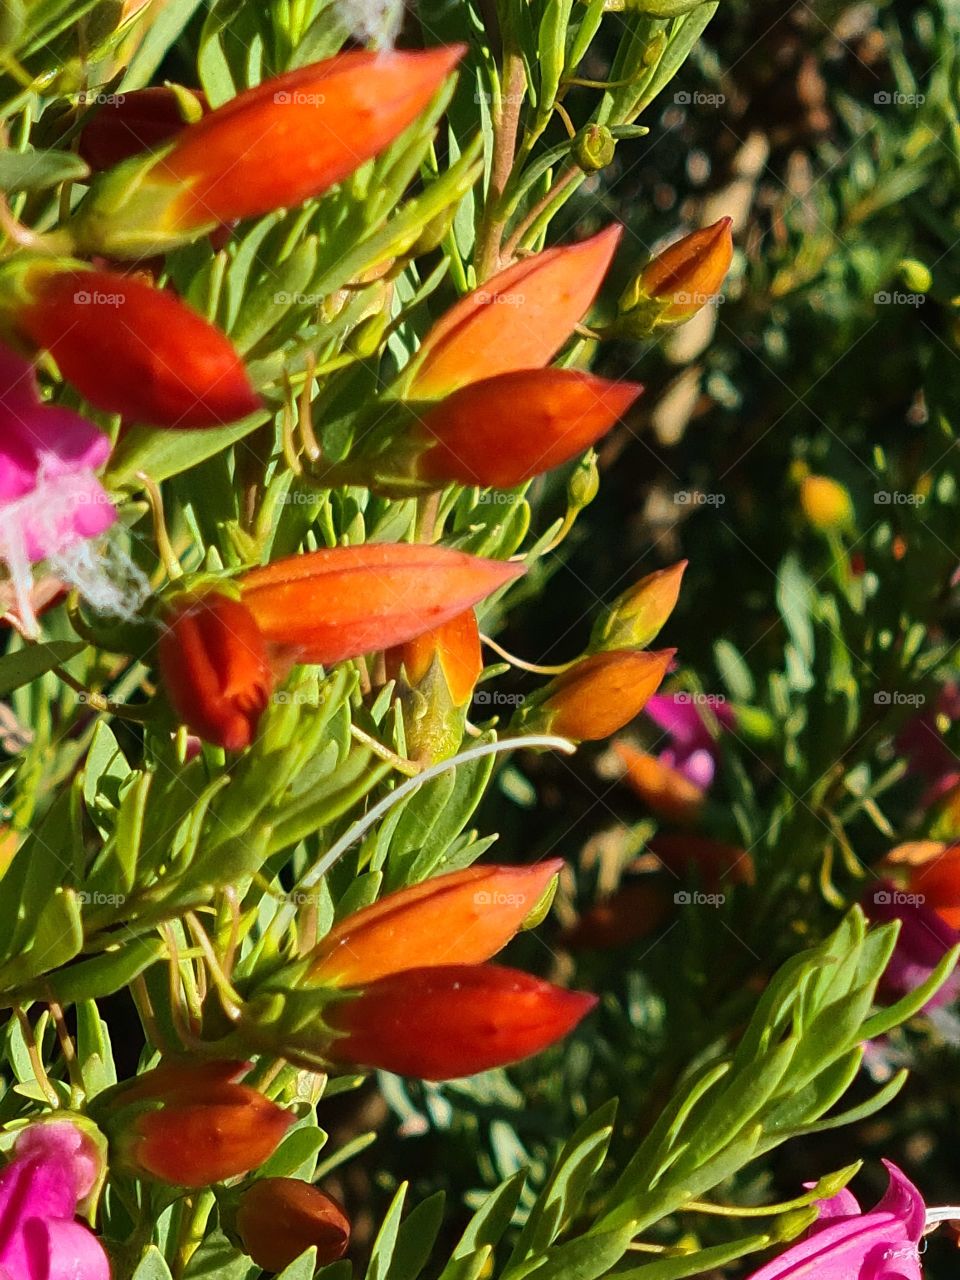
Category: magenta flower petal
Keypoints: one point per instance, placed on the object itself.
(923, 941)
(53, 1167)
(847, 1244)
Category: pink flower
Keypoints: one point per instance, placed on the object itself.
(693, 749)
(54, 1167)
(848, 1244)
(50, 499)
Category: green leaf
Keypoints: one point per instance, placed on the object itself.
(416, 1238)
(34, 660)
(152, 1266)
(35, 170)
(100, 976)
(161, 454)
(696, 1264)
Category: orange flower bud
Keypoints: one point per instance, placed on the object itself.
(329, 605)
(518, 319)
(633, 912)
(636, 617)
(502, 431)
(664, 790)
(134, 350)
(192, 1126)
(455, 645)
(131, 123)
(456, 1020)
(436, 673)
(679, 281)
(272, 146)
(600, 694)
(464, 917)
(278, 1219)
(214, 666)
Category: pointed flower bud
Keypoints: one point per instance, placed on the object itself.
(134, 350)
(462, 918)
(677, 282)
(826, 503)
(131, 123)
(598, 695)
(192, 1126)
(518, 319)
(214, 665)
(278, 1219)
(273, 146)
(456, 1020)
(329, 605)
(455, 646)
(636, 617)
(436, 673)
(502, 431)
(665, 790)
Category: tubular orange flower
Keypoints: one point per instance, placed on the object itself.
(441, 1023)
(636, 617)
(194, 1126)
(461, 918)
(502, 431)
(455, 645)
(214, 666)
(664, 790)
(273, 146)
(278, 1219)
(134, 350)
(131, 123)
(329, 605)
(600, 694)
(518, 319)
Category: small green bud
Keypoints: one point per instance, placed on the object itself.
(584, 483)
(792, 1224)
(916, 275)
(594, 147)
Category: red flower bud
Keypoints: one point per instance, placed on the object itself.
(504, 430)
(933, 874)
(280, 1218)
(518, 319)
(455, 646)
(664, 790)
(329, 605)
(193, 1127)
(601, 693)
(441, 1023)
(134, 350)
(131, 123)
(214, 666)
(461, 918)
(273, 146)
